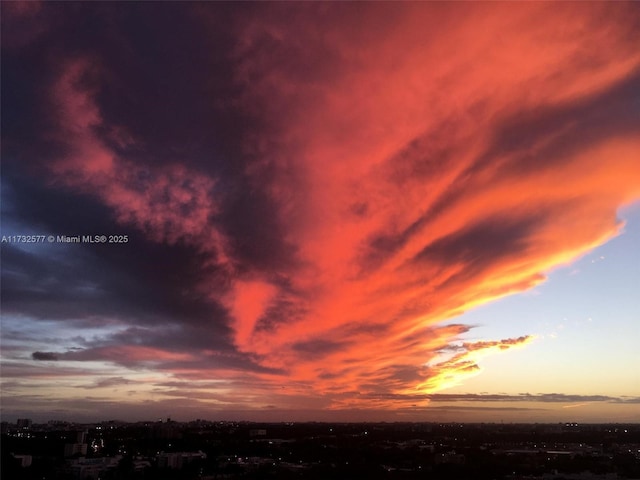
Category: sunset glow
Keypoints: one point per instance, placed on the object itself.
(316, 199)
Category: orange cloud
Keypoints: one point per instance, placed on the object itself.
(421, 166)
(247, 303)
(439, 162)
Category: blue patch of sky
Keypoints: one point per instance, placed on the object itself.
(586, 316)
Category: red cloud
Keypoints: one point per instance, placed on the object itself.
(414, 171)
(397, 175)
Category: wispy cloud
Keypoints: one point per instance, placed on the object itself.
(51, 356)
(528, 397)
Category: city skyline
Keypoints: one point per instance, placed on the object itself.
(332, 212)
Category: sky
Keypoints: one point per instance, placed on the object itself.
(321, 211)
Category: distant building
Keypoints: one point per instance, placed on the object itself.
(71, 449)
(24, 460)
(257, 432)
(79, 447)
(93, 468)
(178, 459)
(166, 430)
(24, 423)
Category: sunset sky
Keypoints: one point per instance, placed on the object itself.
(333, 211)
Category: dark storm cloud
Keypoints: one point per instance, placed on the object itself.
(161, 102)
(184, 356)
(80, 286)
(140, 279)
(249, 214)
(178, 98)
(206, 365)
(156, 88)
